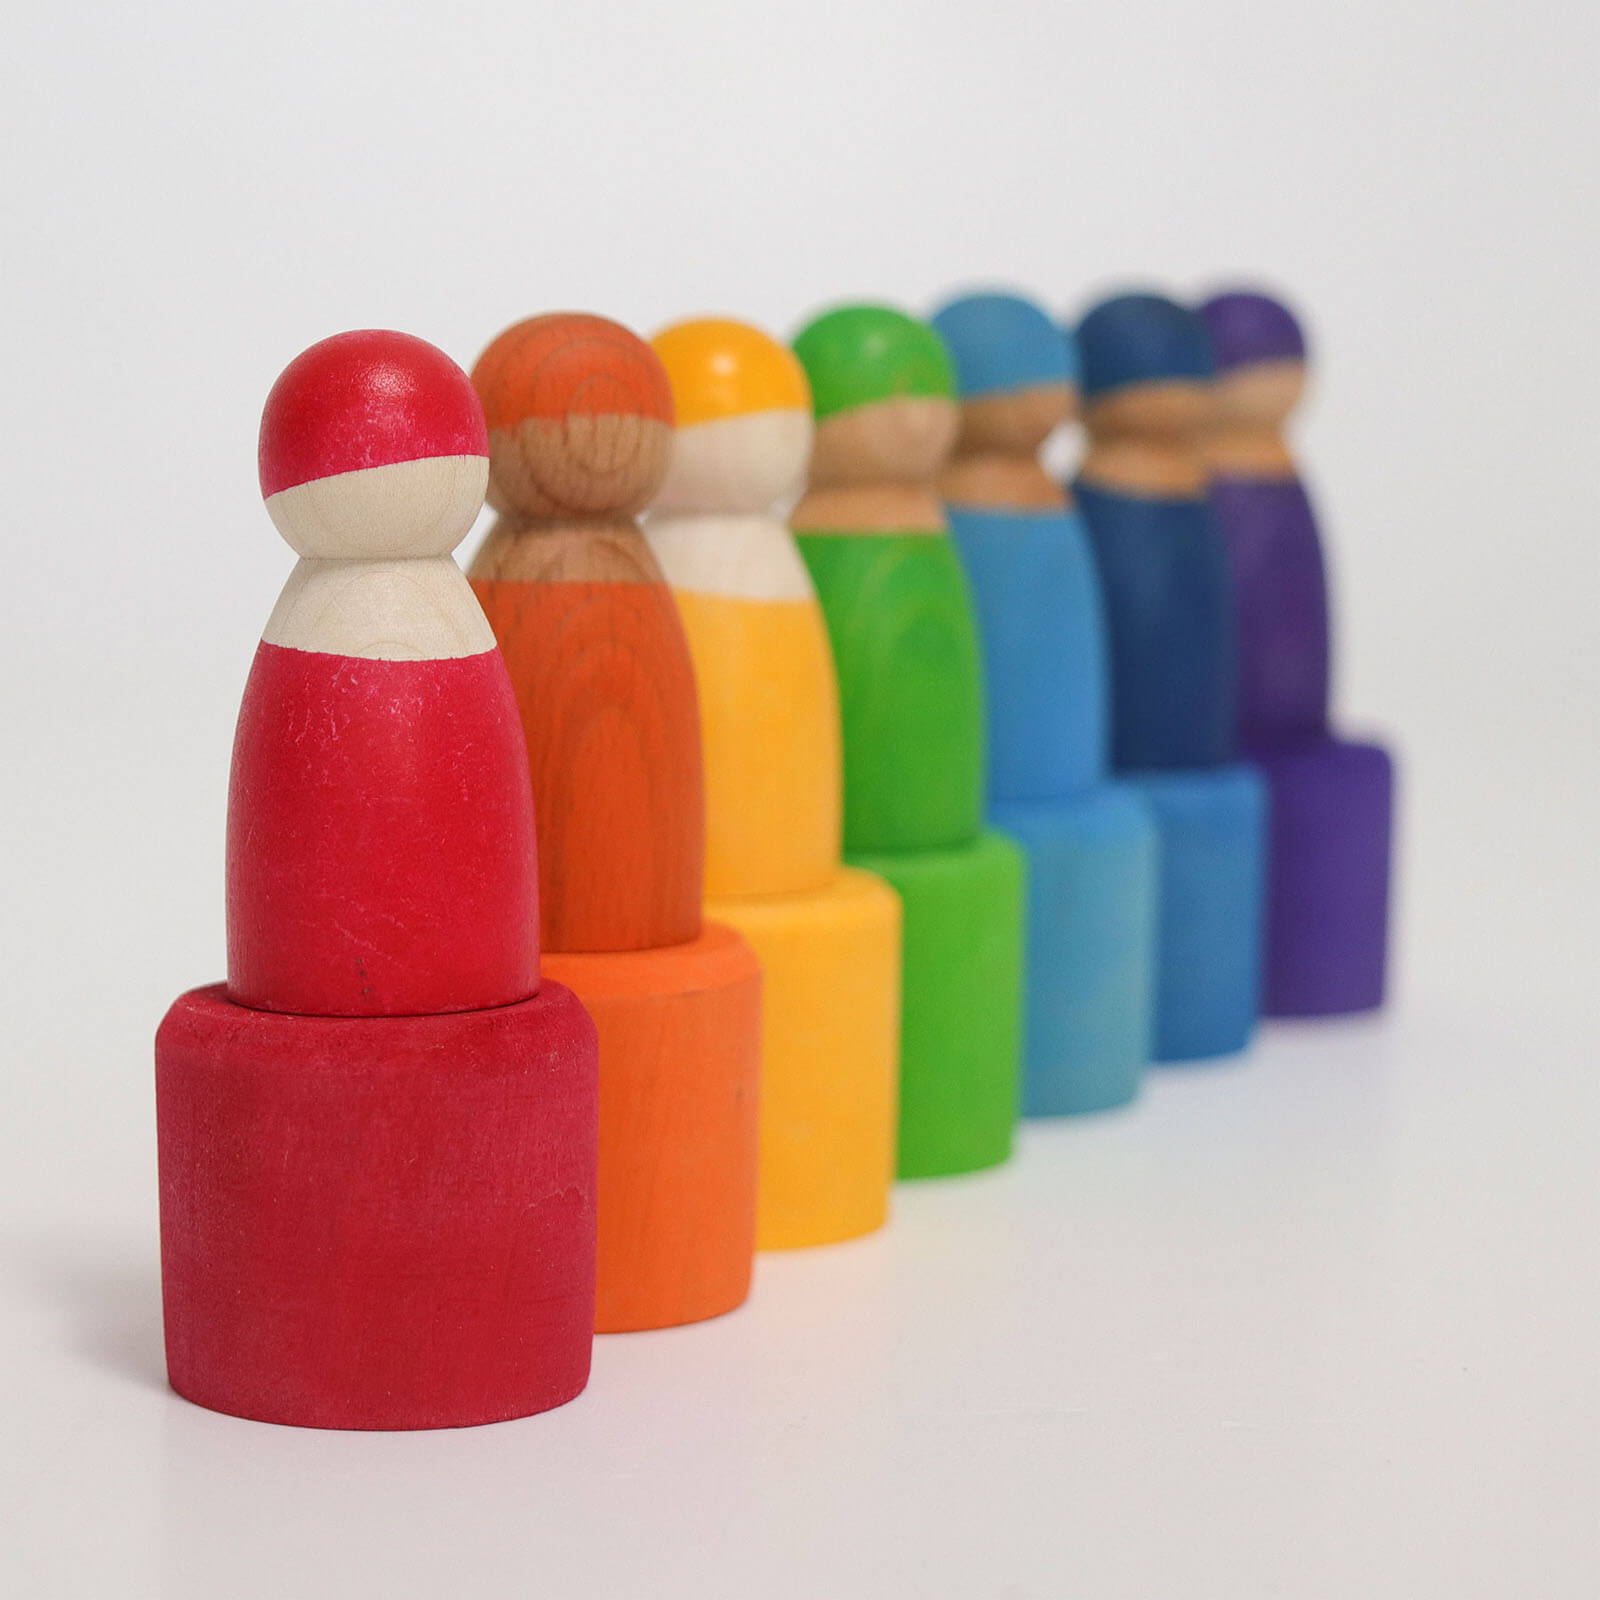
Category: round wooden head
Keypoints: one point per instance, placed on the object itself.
(373, 447)
(580, 418)
(1261, 359)
(883, 391)
(1016, 371)
(743, 408)
(1147, 366)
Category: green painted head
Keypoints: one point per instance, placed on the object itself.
(860, 354)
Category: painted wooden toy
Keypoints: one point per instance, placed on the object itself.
(1331, 800)
(874, 537)
(1164, 577)
(828, 938)
(580, 432)
(378, 1139)
(1091, 845)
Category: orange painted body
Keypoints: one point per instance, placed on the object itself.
(680, 1065)
(606, 690)
(580, 420)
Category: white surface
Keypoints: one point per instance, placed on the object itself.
(1322, 1324)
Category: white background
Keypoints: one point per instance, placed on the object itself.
(1322, 1323)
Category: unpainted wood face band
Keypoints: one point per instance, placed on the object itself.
(870, 508)
(604, 464)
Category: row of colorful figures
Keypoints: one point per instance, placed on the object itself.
(663, 893)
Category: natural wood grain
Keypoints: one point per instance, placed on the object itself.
(577, 465)
(415, 610)
(902, 440)
(746, 556)
(1144, 439)
(601, 550)
(580, 417)
(1262, 393)
(1249, 453)
(738, 464)
(1015, 421)
(1166, 468)
(1249, 407)
(407, 508)
(1001, 480)
(1174, 408)
(869, 508)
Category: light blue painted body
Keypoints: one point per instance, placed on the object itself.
(1091, 846)
(1036, 592)
(1093, 871)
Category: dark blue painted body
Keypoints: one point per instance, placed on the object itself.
(1170, 619)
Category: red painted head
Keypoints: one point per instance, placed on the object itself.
(373, 446)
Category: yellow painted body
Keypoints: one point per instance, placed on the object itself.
(828, 937)
(769, 721)
(830, 1056)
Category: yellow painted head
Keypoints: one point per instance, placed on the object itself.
(743, 408)
(721, 368)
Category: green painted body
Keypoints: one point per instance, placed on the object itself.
(911, 696)
(910, 690)
(960, 1049)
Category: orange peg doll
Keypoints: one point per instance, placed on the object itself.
(580, 431)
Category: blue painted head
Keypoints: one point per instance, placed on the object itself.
(1001, 342)
(1248, 327)
(1142, 338)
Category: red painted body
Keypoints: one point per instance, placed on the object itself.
(377, 1222)
(381, 855)
(366, 399)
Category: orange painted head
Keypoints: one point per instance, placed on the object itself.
(580, 418)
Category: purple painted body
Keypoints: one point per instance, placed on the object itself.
(1281, 605)
(1331, 802)
(1331, 805)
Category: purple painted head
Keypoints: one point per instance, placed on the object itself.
(1248, 328)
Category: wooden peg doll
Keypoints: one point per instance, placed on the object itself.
(377, 1140)
(1332, 799)
(580, 432)
(828, 936)
(874, 537)
(1091, 845)
(1147, 364)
